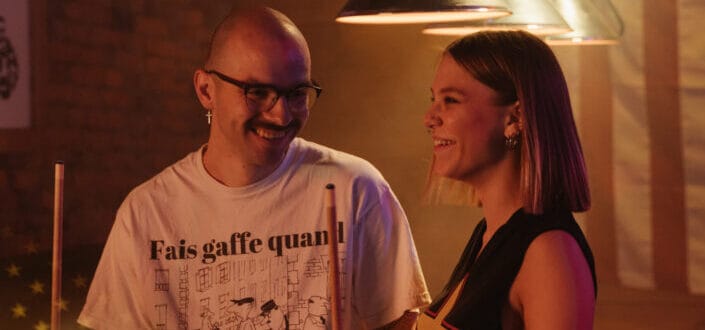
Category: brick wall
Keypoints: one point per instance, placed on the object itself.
(113, 98)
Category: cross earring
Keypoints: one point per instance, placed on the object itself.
(209, 114)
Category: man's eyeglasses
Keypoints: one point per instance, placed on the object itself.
(262, 97)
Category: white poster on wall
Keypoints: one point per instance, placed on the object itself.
(15, 73)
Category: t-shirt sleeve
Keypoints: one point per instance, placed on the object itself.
(388, 279)
(114, 298)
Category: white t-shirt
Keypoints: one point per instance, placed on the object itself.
(187, 252)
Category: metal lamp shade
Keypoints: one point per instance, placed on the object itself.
(594, 22)
(534, 16)
(419, 11)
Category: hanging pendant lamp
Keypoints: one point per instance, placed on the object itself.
(594, 22)
(535, 16)
(419, 11)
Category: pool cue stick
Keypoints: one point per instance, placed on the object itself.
(334, 266)
(56, 246)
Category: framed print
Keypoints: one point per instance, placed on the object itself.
(15, 72)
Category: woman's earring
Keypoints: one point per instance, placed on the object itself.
(512, 142)
(209, 114)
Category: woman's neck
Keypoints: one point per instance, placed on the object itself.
(500, 195)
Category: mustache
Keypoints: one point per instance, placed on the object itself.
(294, 124)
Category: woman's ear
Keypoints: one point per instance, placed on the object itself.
(514, 124)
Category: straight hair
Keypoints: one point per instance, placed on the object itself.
(521, 67)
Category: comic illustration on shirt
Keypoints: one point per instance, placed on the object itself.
(283, 288)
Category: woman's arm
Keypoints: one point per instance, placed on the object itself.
(554, 287)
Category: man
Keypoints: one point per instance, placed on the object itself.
(242, 219)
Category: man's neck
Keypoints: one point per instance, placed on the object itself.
(231, 169)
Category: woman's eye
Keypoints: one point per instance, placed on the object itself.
(449, 99)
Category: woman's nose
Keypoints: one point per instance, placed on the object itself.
(431, 119)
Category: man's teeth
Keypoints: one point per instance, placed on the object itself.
(270, 134)
(440, 142)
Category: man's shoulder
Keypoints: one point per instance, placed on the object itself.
(344, 162)
(168, 179)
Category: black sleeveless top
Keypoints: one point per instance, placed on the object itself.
(491, 274)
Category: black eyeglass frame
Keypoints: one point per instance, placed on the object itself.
(246, 87)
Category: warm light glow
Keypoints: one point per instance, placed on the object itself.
(569, 11)
(593, 23)
(580, 41)
(537, 17)
(464, 30)
(420, 11)
(422, 17)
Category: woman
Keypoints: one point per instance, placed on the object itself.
(501, 122)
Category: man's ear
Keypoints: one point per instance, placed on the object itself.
(204, 85)
(514, 124)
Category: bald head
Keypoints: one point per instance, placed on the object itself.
(255, 31)
(254, 52)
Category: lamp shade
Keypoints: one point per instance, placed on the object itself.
(535, 16)
(594, 22)
(419, 11)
